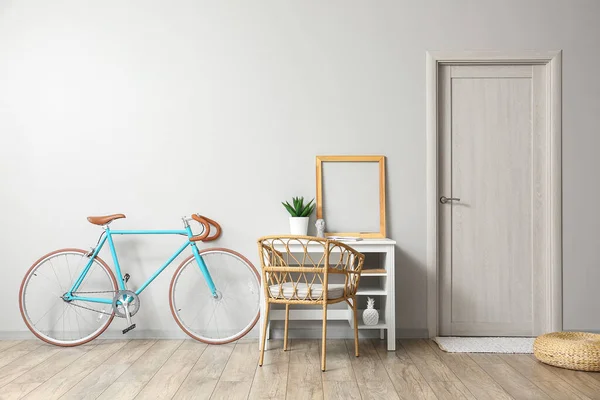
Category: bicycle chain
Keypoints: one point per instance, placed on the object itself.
(93, 309)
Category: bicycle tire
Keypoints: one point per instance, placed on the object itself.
(250, 279)
(23, 308)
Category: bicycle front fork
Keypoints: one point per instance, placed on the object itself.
(204, 270)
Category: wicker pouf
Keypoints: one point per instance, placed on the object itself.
(572, 350)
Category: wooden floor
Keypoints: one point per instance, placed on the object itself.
(185, 369)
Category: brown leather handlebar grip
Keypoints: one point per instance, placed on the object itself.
(217, 227)
(206, 222)
(206, 226)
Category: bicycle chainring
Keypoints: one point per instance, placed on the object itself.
(134, 303)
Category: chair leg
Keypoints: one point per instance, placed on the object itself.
(355, 327)
(264, 335)
(324, 338)
(285, 330)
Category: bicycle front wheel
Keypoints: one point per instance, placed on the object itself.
(55, 320)
(229, 316)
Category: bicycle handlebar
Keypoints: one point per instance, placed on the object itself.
(206, 223)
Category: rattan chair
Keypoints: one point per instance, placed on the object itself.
(299, 276)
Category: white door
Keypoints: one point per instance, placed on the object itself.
(492, 152)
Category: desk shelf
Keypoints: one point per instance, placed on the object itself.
(380, 325)
(372, 285)
(371, 291)
(374, 272)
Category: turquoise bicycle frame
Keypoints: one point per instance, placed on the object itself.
(108, 236)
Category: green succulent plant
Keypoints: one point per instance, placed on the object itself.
(298, 209)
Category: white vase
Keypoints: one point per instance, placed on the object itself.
(299, 226)
(370, 316)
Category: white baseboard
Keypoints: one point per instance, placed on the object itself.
(109, 334)
(16, 335)
(342, 333)
(333, 332)
(412, 333)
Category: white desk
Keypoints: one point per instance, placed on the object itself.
(377, 280)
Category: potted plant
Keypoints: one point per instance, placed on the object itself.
(299, 213)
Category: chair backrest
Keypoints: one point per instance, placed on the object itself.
(296, 269)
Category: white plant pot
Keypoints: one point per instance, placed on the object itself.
(299, 226)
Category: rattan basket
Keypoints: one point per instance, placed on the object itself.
(572, 350)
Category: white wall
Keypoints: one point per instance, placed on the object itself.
(158, 109)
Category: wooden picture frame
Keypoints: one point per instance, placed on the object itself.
(320, 160)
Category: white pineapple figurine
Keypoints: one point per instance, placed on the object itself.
(370, 315)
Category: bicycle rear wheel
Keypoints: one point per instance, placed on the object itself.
(216, 320)
(60, 322)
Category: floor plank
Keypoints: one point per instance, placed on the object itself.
(485, 358)
(167, 380)
(560, 390)
(515, 384)
(18, 367)
(479, 383)
(530, 368)
(275, 353)
(428, 363)
(230, 390)
(63, 381)
(186, 369)
(341, 390)
(18, 350)
(584, 382)
(27, 382)
(368, 352)
(371, 376)
(242, 364)
(133, 380)
(406, 378)
(304, 382)
(544, 376)
(339, 366)
(204, 376)
(7, 344)
(270, 381)
(102, 377)
(451, 391)
(305, 351)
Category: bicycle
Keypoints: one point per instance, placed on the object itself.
(70, 296)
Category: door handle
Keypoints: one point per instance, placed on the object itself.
(445, 199)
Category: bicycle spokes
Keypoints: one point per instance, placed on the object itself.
(50, 312)
(224, 317)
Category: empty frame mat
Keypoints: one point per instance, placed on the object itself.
(351, 195)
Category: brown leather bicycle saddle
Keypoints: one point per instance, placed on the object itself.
(105, 219)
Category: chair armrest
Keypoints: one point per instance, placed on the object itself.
(350, 263)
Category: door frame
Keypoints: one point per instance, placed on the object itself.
(553, 60)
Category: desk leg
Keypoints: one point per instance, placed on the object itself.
(268, 332)
(391, 339)
(260, 323)
(381, 334)
(261, 320)
(259, 326)
(391, 299)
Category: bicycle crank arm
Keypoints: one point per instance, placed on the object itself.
(128, 317)
(127, 314)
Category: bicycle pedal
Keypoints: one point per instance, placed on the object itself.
(132, 327)
(126, 278)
